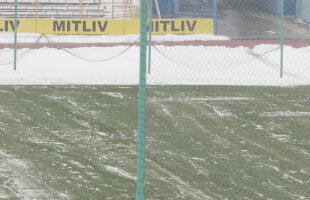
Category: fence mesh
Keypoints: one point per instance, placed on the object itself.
(211, 133)
(246, 50)
(63, 26)
(218, 142)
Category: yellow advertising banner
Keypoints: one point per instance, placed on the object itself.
(106, 27)
(24, 25)
(173, 26)
(80, 27)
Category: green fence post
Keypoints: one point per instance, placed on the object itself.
(15, 34)
(282, 37)
(150, 35)
(142, 102)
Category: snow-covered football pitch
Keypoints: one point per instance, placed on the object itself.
(202, 142)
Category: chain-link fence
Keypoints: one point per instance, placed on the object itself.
(211, 132)
(249, 32)
(223, 141)
(183, 9)
(249, 38)
(64, 26)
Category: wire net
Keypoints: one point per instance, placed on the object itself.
(249, 34)
(203, 141)
(7, 31)
(211, 131)
(62, 26)
(108, 9)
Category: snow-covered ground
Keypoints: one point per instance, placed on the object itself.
(31, 37)
(216, 65)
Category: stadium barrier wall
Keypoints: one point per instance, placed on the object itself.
(107, 27)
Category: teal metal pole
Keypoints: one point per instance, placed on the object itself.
(215, 15)
(142, 102)
(282, 37)
(150, 35)
(15, 35)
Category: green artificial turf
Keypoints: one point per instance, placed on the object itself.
(202, 142)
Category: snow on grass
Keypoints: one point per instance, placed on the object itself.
(288, 176)
(259, 127)
(5, 91)
(177, 65)
(113, 94)
(53, 67)
(184, 187)
(17, 181)
(189, 99)
(120, 172)
(4, 196)
(72, 103)
(102, 133)
(284, 114)
(281, 137)
(220, 111)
